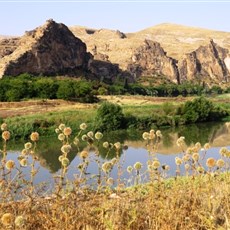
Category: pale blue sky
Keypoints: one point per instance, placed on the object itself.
(18, 16)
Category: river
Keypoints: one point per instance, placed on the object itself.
(217, 134)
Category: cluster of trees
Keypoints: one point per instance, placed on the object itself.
(28, 86)
(110, 116)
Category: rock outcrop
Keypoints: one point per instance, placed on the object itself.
(150, 59)
(48, 50)
(53, 49)
(210, 62)
(8, 46)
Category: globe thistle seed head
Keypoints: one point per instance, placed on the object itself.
(65, 162)
(67, 131)
(84, 154)
(66, 148)
(61, 126)
(145, 135)
(114, 161)
(198, 146)
(207, 146)
(200, 169)
(106, 167)
(223, 151)
(117, 145)
(3, 126)
(60, 158)
(220, 163)
(105, 144)
(180, 141)
(129, 169)
(90, 134)
(7, 219)
(151, 135)
(57, 130)
(187, 167)
(61, 137)
(137, 166)
(110, 181)
(195, 157)
(178, 161)
(6, 135)
(34, 136)
(23, 162)
(10, 164)
(83, 126)
(156, 164)
(98, 135)
(25, 152)
(167, 168)
(19, 221)
(190, 151)
(158, 133)
(210, 162)
(28, 145)
(84, 137)
(186, 157)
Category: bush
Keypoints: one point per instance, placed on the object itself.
(109, 117)
(200, 110)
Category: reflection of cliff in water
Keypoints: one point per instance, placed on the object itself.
(217, 134)
(222, 136)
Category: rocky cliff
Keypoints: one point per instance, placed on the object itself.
(149, 59)
(48, 50)
(8, 45)
(207, 63)
(176, 52)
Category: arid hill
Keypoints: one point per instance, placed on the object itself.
(167, 51)
(176, 41)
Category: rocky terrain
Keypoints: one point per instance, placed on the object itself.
(176, 52)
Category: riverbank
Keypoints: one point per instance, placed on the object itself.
(178, 203)
(141, 112)
(197, 197)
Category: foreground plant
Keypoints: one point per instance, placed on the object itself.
(197, 197)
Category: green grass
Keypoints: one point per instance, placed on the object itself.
(46, 123)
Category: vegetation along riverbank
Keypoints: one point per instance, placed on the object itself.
(190, 200)
(112, 113)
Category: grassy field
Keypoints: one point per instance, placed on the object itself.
(44, 115)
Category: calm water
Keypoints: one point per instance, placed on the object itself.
(217, 134)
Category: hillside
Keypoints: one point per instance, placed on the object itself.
(176, 40)
(162, 53)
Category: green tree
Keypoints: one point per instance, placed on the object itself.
(65, 90)
(109, 117)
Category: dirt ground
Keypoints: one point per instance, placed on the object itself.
(10, 109)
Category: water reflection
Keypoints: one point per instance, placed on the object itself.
(217, 134)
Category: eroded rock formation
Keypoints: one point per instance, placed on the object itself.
(150, 58)
(207, 62)
(48, 50)
(53, 49)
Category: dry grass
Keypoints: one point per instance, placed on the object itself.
(12, 109)
(198, 199)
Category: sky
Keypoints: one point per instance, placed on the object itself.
(18, 16)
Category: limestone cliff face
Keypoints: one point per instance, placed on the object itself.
(49, 50)
(8, 45)
(210, 62)
(53, 49)
(150, 58)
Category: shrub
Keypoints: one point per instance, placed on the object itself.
(200, 110)
(109, 117)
